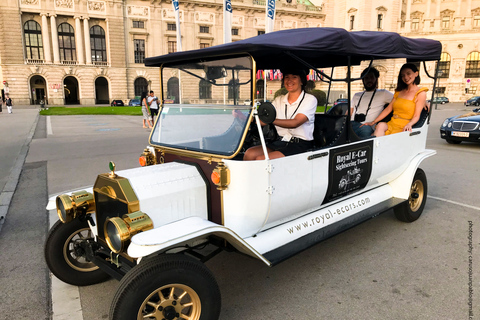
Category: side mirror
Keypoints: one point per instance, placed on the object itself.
(267, 112)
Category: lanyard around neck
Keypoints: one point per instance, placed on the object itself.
(295, 109)
(369, 104)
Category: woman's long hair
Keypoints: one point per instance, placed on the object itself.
(143, 97)
(401, 85)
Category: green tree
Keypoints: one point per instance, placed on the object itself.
(280, 92)
(319, 94)
(321, 97)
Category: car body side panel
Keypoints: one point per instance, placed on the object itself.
(279, 236)
(296, 188)
(393, 153)
(246, 201)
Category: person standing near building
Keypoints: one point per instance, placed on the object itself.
(152, 102)
(147, 117)
(367, 105)
(8, 102)
(1, 103)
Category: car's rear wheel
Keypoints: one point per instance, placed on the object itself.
(65, 256)
(453, 141)
(412, 209)
(172, 286)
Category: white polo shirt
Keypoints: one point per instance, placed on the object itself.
(305, 104)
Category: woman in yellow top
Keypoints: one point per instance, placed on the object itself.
(407, 103)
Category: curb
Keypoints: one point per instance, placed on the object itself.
(6, 194)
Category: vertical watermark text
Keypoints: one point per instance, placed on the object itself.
(470, 270)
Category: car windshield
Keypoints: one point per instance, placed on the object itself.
(203, 107)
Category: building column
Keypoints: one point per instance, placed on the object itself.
(427, 18)
(79, 41)
(56, 50)
(438, 19)
(46, 39)
(408, 18)
(86, 34)
(468, 14)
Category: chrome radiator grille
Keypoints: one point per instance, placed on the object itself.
(464, 125)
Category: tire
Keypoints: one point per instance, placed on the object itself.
(453, 141)
(64, 257)
(154, 286)
(413, 208)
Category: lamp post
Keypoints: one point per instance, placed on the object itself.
(439, 75)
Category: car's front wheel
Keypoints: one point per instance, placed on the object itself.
(65, 256)
(411, 210)
(172, 286)
(453, 141)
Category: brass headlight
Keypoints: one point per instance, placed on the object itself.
(118, 232)
(70, 207)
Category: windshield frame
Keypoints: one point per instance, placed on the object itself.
(194, 153)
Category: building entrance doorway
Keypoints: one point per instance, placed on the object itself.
(70, 90)
(140, 85)
(38, 90)
(101, 91)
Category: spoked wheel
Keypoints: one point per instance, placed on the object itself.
(65, 256)
(168, 287)
(413, 208)
(175, 301)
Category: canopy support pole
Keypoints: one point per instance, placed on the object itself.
(349, 94)
(328, 92)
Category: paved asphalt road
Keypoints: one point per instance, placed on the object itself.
(382, 269)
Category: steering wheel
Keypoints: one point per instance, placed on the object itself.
(267, 114)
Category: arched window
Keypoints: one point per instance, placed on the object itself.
(472, 69)
(97, 44)
(444, 65)
(233, 90)
(66, 42)
(204, 89)
(141, 85)
(173, 90)
(33, 40)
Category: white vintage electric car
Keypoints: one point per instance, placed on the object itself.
(152, 227)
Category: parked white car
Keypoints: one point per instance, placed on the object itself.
(152, 227)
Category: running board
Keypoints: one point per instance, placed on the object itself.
(282, 253)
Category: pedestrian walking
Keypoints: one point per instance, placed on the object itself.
(1, 103)
(153, 104)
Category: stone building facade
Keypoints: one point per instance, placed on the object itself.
(92, 51)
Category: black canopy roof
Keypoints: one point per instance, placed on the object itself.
(320, 47)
